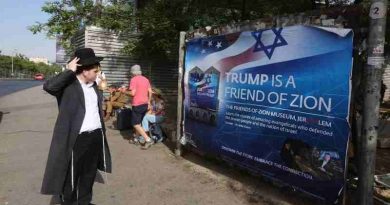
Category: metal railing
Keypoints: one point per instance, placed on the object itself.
(17, 74)
(20, 74)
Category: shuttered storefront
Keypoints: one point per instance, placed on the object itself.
(116, 65)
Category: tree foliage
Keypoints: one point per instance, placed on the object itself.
(67, 17)
(160, 21)
(21, 63)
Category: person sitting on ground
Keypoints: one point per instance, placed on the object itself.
(116, 100)
(155, 115)
(125, 90)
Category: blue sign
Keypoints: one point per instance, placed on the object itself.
(275, 101)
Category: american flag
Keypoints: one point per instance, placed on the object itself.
(229, 51)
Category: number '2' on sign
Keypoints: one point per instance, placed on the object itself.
(377, 10)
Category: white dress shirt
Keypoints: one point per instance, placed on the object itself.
(92, 118)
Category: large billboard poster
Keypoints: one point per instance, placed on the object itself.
(275, 101)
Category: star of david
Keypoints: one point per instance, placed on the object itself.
(269, 49)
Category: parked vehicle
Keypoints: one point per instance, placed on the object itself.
(39, 76)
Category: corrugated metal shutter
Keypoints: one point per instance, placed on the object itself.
(164, 77)
(79, 39)
(107, 44)
(116, 65)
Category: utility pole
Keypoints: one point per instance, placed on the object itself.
(179, 125)
(243, 10)
(12, 65)
(98, 4)
(135, 11)
(373, 74)
(12, 60)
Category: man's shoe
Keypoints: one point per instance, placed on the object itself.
(134, 141)
(146, 146)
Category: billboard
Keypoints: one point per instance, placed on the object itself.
(61, 56)
(275, 101)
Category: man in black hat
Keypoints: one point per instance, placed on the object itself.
(79, 146)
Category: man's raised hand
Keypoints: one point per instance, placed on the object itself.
(72, 65)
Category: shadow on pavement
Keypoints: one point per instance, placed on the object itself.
(126, 134)
(253, 187)
(1, 115)
(55, 199)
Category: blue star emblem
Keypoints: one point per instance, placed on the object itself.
(269, 49)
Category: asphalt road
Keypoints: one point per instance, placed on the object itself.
(11, 86)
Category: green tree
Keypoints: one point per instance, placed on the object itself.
(160, 21)
(22, 64)
(67, 17)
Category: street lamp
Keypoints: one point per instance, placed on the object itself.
(12, 67)
(12, 59)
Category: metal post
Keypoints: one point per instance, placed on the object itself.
(12, 66)
(135, 10)
(179, 125)
(243, 12)
(373, 73)
(135, 7)
(98, 11)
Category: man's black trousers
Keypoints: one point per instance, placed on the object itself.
(86, 152)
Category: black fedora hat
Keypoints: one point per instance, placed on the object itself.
(87, 57)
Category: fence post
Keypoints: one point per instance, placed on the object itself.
(179, 124)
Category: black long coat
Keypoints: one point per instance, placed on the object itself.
(70, 97)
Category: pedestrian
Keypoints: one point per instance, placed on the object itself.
(141, 92)
(155, 115)
(79, 145)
